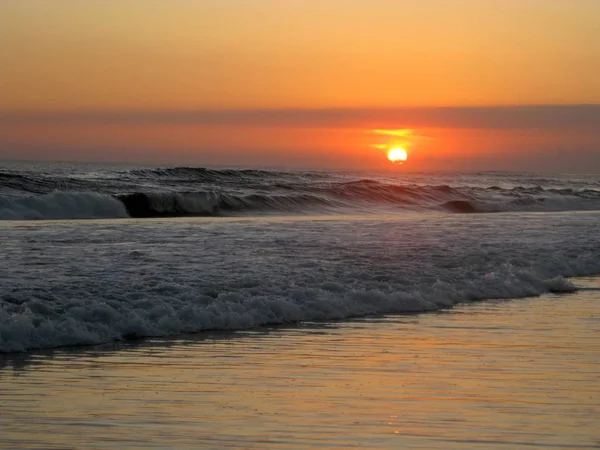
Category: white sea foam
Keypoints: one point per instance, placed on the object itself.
(72, 284)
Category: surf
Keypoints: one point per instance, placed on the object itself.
(191, 191)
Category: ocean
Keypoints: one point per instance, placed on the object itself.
(97, 253)
(190, 307)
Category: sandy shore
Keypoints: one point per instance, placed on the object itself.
(500, 374)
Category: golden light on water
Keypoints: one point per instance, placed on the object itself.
(397, 155)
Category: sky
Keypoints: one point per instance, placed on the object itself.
(460, 84)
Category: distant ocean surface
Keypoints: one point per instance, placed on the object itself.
(186, 249)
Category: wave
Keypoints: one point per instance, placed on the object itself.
(205, 175)
(62, 205)
(30, 183)
(190, 191)
(141, 205)
(31, 319)
(88, 205)
(461, 206)
(521, 205)
(201, 172)
(109, 281)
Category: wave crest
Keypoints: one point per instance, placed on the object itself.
(192, 191)
(212, 203)
(62, 205)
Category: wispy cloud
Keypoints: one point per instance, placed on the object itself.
(396, 133)
(404, 138)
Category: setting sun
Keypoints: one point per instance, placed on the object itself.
(397, 155)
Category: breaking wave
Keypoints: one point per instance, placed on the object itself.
(62, 205)
(189, 191)
(165, 279)
(216, 204)
(166, 309)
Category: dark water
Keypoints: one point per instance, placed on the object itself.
(64, 191)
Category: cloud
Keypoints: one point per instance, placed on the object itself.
(404, 138)
(496, 117)
(396, 133)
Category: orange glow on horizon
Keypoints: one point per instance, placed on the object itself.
(303, 84)
(399, 141)
(348, 148)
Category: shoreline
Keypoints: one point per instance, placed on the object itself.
(210, 334)
(490, 374)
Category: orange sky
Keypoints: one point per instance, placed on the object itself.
(182, 55)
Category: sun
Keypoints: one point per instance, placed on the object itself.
(397, 155)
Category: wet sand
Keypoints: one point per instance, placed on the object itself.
(497, 374)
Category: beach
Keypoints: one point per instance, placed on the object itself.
(495, 374)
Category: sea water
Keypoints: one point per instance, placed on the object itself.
(91, 254)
